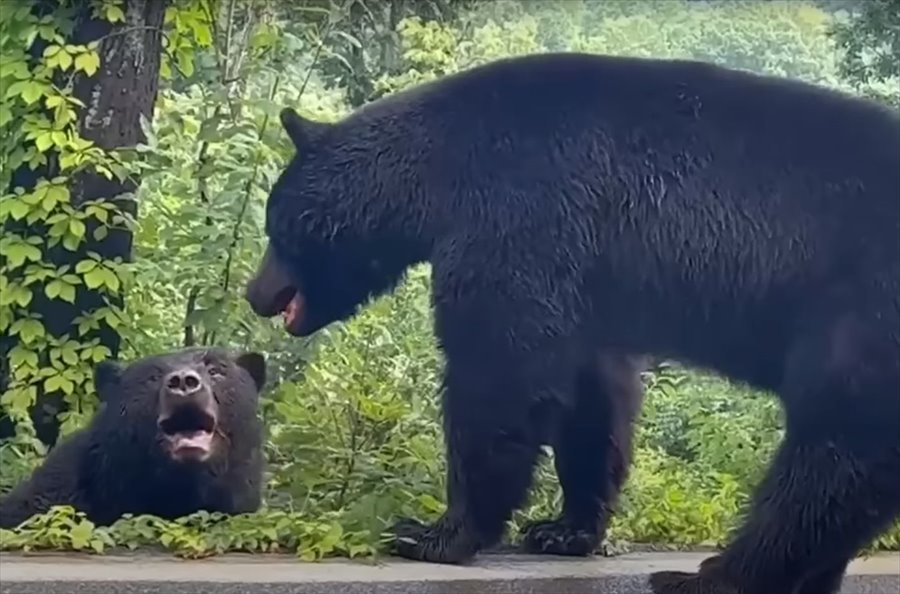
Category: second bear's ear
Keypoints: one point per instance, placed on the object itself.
(106, 379)
(301, 131)
(255, 364)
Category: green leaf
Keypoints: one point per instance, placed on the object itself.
(64, 60)
(17, 88)
(81, 533)
(185, 60)
(53, 289)
(111, 280)
(71, 242)
(77, 228)
(58, 382)
(85, 266)
(69, 354)
(5, 114)
(32, 92)
(28, 330)
(100, 353)
(18, 253)
(44, 141)
(114, 14)
(19, 356)
(18, 209)
(94, 278)
(89, 62)
(19, 399)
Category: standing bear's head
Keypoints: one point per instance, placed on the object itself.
(344, 221)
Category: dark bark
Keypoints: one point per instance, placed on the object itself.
(116, 97)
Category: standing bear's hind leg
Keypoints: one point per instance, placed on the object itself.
(835, 482)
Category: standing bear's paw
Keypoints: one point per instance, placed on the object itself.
(446, 541)
(680, 582)
(559, 537)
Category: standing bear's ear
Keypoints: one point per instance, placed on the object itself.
(301, 131)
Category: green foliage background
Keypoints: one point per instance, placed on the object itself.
(353, 428)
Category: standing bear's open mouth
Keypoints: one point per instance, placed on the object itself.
(272, 291)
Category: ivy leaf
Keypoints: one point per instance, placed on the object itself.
(88, 61)
(58, 382)
(114, 14)
(85, 266)
(185, 60)
(17, 88)
(28, 330)
(18, 253)
(81, 533)
(99, 353)
(77, 228)
(44, 142)
(69, 354)
(94, 278)
(19, 356)
(18, 209)
(32, 92)
(19, 399)
(110, 279)
(71, 242)
(58, 289)
(53, 289)
(64, 60)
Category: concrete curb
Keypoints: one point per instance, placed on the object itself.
(269, 574)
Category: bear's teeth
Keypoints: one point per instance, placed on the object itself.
(201, 440)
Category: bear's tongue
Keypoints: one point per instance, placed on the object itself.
(293, 311)
(192, 440)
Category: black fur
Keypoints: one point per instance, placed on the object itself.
(117, 464)
(572, 205)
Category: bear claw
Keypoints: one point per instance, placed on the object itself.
(445, 541)
(681, 582)
(558, 537)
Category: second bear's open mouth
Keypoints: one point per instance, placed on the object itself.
(189, 432)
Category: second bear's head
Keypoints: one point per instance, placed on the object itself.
(194, 405)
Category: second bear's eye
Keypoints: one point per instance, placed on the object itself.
(214, 372)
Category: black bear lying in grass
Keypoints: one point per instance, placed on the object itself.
(574, 205)
(176, 433)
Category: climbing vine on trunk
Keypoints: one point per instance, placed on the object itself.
(77, 78)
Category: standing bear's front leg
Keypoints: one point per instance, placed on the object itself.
(592, 451)
(501, 392)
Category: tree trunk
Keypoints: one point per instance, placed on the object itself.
(117, 96)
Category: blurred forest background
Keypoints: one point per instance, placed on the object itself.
(134, 168)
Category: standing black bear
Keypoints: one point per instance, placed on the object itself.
(572, 205)
(176, 433)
